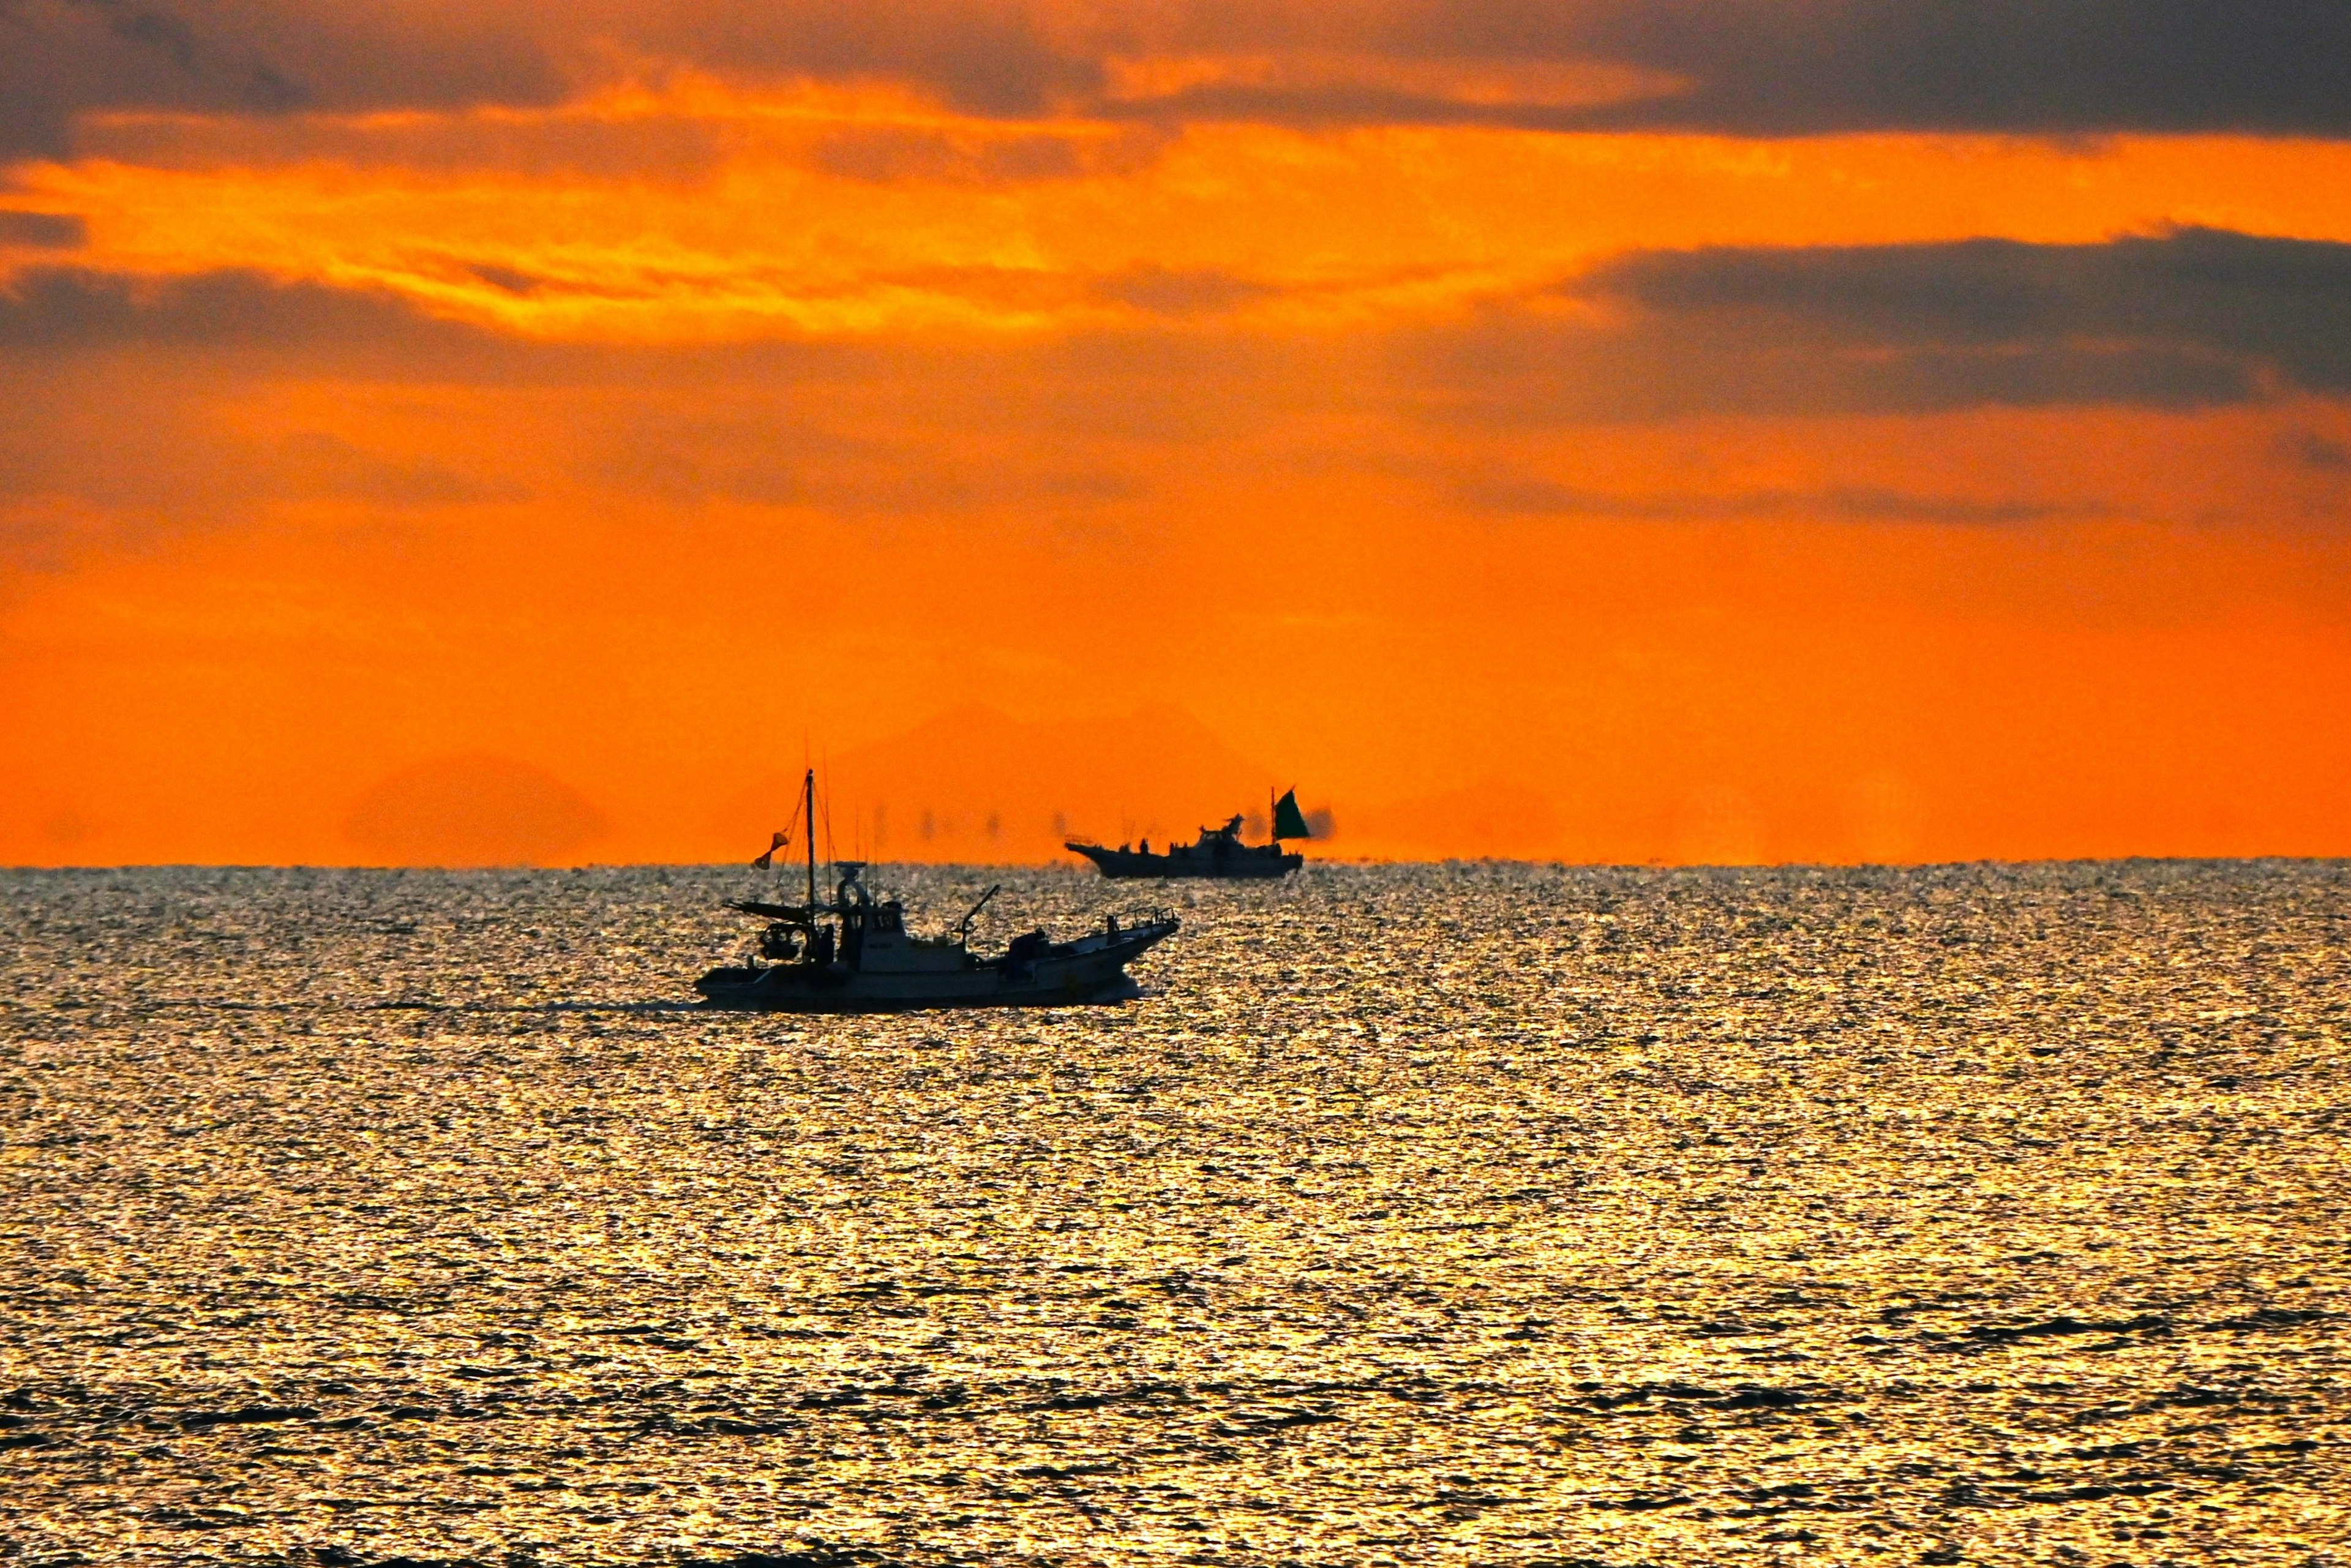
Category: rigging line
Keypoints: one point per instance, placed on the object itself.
(832, 843)
(782, 870)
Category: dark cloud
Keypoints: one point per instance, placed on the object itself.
(80, 309)
(677, 148)
(1766, 68)
(238, 323)
(314, 462)
(43, 231)
(760, 448)
(2199, 316)
(61, 58)
(246, 322)
(314, 329)
(1526, 496)
(1517, 368)
(1350, 104)
(896, 152)
(2315, 451)
(1168, 291)
(994, 58)
(2203, 294)
(2033, 67)
(1745, 67)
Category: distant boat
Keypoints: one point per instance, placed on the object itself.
(1216, 852)
(854, 955)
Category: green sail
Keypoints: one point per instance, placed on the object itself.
(1287, 822)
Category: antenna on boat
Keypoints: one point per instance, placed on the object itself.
(963, 929)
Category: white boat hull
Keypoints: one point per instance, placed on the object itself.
(1091, 969)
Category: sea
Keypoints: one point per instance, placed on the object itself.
(1464, 1214)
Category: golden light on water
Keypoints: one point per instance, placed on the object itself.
(1412, 1216)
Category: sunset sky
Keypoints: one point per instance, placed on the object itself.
(1611, 430)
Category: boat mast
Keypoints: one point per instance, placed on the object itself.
(810, 807)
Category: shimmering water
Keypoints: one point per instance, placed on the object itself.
(1468, 1215)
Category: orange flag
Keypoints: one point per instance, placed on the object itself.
(768, 856)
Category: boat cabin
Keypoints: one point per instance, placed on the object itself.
(874, 936)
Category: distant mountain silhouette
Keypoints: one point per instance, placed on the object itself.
(975, 785)
(473, 809)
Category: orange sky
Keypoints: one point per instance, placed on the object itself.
(1616, 494)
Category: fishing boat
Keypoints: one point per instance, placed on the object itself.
(1216, 852)
(853, 954)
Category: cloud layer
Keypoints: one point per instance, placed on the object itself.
(2193, 318)
(1743, 67)
(2032, 66)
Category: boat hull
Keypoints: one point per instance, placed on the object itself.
(1092, 970)
(1247, 865)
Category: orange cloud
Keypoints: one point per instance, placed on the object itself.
(699, 213)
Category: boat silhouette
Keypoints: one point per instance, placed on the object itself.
(1217, 853)
(853, 954)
